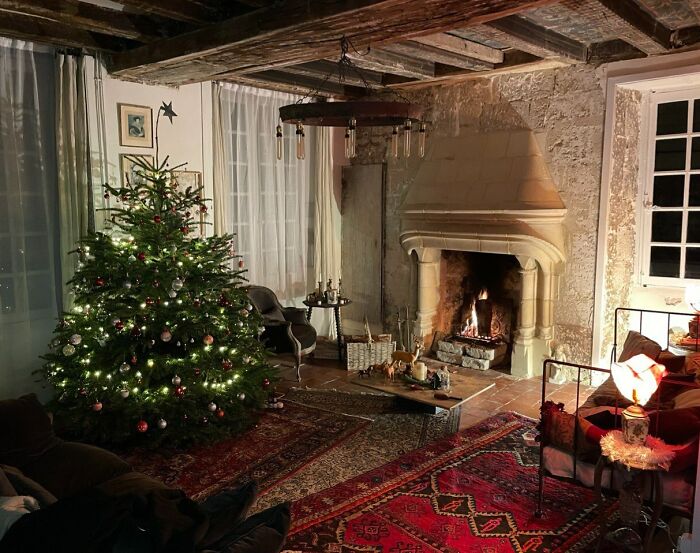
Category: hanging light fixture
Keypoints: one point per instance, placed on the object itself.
(396, 113)
(280, 142)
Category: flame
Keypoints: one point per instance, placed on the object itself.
(484, 294)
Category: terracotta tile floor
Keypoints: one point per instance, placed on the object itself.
(509, 393)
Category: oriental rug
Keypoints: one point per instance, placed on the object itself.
(475, 491)
(282, 442)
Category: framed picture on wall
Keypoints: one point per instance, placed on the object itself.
(129, 170)
(135, 126)
(191, 179)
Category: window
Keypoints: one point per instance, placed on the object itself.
(672, 198)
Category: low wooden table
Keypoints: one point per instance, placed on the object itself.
(464, 386)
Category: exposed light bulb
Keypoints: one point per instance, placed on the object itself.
(407, 127)
(301, 146)
(421, 139)
(352, 126)
(279, 142)
(395, 142)
(347, 143)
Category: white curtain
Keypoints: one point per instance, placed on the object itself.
(28, 215)
(265, 202)
(326, 226)
(76, 215)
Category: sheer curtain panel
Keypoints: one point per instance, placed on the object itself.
(265, 202)
(28, 218)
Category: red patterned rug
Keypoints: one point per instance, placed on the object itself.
(475, 491)
(283, 442)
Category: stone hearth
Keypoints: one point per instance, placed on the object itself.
(497, 197)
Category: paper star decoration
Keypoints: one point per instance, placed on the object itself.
(167, 110)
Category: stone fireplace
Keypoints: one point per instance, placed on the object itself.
(490, 195)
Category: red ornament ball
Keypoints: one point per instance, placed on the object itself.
(185, 229)
(141, 256)
(179, 391)
(99, 281)
(196, 303)
(157, 219)
(266, 383)
(119, 325)
(226, 364)
(133, 360)
(197, 371)
(142, 426)
(135, 332)
(203, 209)
(97, 406)
(241, 263)
(150, 300)
(106, 195)
(208, 339)
(82, 391)
(220, 413)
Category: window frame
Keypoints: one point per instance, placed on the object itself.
(647, 173)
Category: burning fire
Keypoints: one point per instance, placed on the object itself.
(484, 294)
(471, 327)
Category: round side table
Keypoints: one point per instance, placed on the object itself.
(616, 452)
(336, 313)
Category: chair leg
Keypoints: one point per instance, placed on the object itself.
(297, 363)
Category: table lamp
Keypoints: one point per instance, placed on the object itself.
(692, 298)
(637, 379)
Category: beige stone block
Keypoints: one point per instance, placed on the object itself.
(529, 167)
(539, 192)
(479, 364)
(495, 171)
(495, 144)
(445, 357)
(519, 143)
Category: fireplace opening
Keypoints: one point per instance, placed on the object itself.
(477, 310)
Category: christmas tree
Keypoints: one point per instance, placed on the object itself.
(161, 345)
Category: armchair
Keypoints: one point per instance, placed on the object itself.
(286, 328)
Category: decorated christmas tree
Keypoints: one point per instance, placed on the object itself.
(161, 345)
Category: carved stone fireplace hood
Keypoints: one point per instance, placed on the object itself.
(489, 193)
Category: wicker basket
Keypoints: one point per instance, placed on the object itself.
(361, 355)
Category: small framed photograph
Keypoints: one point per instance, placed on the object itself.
(130, 171)
(135, 126)
(191, 179)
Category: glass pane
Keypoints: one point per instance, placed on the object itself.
(41, 296)
(696, 116)
(693, 235)
(7, 296)
(695, 154)
(672, 118)
(668, 190)
(665, 261)
(692, 263)
(670, 155)
(694, 194)
(666, 226)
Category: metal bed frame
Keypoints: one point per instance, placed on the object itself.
(619, 312)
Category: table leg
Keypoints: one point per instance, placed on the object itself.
(338, 330)
(658, 493)
(308, 314)
(598, 476)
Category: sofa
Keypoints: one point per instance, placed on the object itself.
(82, 490)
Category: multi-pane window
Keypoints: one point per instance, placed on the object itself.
(672, 245)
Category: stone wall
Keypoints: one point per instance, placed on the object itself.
(564, 108)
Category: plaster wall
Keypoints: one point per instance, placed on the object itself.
(564, 108)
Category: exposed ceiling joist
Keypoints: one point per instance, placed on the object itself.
(539, 40)
(25, 27)
(436, 55)
(299, 31)
(328, 70)
(90, 17)
(644, 23)
(287, 82)
(462, 46)
(384, 61)
(192, 11)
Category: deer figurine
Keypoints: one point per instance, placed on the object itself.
(399, 357)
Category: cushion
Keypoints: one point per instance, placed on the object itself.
(227, 510)
(70, 467)
(676, 426)
(26, 486)
(637, 343)
(131, 483)
(25, 431)
(264, 532)
(689, 398)
(673, 363)
(6, 488)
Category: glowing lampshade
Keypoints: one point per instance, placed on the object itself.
(638, 378)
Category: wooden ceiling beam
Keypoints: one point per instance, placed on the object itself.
(25, 27)
(541, 41)
(461, 46)
(328, 70)
(89, 17)
(642, 21)
(383, 61)
(191, 11)
(288, 82)
(436, 55)
(298, 30)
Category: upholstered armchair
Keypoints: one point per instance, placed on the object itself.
(286, 328)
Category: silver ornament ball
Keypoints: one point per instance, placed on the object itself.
(75, 339)
(176, 380)
(212, 406)
(162, 423)
(68, 350)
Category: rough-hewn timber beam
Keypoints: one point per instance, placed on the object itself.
(328, 70)
(421, 51)
(545, 41)
(89, 17)
(192, 11)
(299, 31)
(25, 27)
(642, 21)
(292, 84)
(383, 61)
(462, 46)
